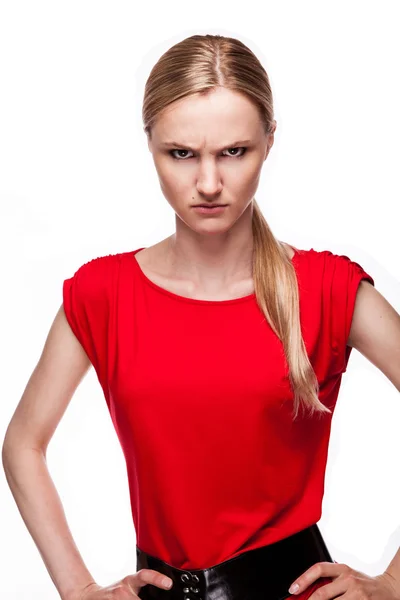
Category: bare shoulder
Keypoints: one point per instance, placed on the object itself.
(151, 257)
(289, 250)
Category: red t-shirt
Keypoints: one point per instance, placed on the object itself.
(199, 397)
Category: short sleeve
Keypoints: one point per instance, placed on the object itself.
(341, 278)
(88, 298)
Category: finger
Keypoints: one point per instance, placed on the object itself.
(149, 576)
(333, 588)
(321, 569)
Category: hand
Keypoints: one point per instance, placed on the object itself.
(126, 588)
(348, 584)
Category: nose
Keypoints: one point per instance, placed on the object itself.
(209, 179)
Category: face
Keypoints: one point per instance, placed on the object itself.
(210, 150)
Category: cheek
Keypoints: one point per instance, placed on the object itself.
(177, 192)
(169, 177)
(172, 184)
(243, 186)
(242, 175)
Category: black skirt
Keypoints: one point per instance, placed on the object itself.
(264, 573)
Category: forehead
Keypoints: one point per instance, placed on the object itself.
(219, 115)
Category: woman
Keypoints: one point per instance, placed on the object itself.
(220, 351)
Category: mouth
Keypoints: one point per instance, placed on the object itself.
(209, 209)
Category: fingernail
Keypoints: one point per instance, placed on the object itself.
(167, 582)
(294, 588)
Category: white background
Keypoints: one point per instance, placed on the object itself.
(77, 181)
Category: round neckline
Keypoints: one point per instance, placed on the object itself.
(194, 300)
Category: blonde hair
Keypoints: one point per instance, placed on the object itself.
(197, 65)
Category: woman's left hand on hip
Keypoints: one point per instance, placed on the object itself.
(347, 584)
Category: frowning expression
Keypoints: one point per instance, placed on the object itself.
(209, 149)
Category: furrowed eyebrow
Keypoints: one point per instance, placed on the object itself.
(178, 145)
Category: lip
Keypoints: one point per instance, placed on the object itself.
(210, 210)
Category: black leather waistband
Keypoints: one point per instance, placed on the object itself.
(265, 572)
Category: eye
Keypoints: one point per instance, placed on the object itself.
(171, 152)
(238, 148)
(178, 150)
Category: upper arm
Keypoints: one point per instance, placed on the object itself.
(78, 337)
(60, 368)
(375, 331)
(340, 279)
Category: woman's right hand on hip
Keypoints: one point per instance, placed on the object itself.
(126, 588)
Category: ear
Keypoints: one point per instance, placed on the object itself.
(270, 140)
(148, 136)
